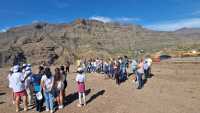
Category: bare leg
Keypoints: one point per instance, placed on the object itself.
(25, 103)
(84, 99)
(61, 97)
(58, 100)
(17, 103)
(13, 97)
(80, 102)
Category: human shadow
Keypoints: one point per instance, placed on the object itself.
(2, 102)
(73, 96)
(144, 81)
(130, 74)
(151, 75)
(2, 94)
(95, 96)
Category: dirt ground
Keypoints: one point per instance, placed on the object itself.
(174, 88)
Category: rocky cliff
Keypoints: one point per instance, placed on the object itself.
(40, 42)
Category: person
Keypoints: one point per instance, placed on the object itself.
(10, 85)
(47, 82)
(80, 80)
(111, 69)
(17, 83)
(117, 72)
(149, 62)
(78, 63)
(146, 69)
(28, 85)
(24, 68)
(106, 68)
(134, 66)
(64, 74)
(67, 66)
(35, 80)
(59, 85)
(123, 71)
(139, 73)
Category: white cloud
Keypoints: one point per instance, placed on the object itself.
(175, 25)
(4, 29)
(119, 19)
(101, 18)
(127, 19)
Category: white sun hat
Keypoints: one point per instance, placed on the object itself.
(16, 68)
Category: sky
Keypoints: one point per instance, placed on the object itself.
(161, 15)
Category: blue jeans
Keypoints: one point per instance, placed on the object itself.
(139, 79)
(49, 100)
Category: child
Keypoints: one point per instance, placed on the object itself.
(80, 79)
(47, 82)
(17, 83)
(35, 80)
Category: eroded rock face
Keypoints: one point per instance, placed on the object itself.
(12, 56)
(57, 43)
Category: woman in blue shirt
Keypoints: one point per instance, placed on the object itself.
(35, 80)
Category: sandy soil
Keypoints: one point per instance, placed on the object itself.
(174, 88)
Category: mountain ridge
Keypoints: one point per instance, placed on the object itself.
(84, 38)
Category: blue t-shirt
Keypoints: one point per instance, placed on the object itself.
(35, 79)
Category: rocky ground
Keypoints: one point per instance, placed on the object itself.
(174, 88)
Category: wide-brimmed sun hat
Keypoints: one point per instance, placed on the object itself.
(16, 68)
(80, 69)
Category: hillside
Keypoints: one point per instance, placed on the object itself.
(39, 42)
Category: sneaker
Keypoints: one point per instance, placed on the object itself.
(25, 109)
(60, 106)
(84, 104)
(47, 109)
(17, 110)
(51, 111)
(79, 105)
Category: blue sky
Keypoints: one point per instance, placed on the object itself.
(164, 15)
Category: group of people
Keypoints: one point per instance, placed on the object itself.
(49, 88)
(42, 87)
(141, 69)
(112, 68)
(116, 68)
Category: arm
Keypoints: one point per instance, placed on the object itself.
(27, 75)
(42, 84)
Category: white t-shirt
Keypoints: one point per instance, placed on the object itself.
(16, 82)
(80, 77)
(149, 61)
(48, 82)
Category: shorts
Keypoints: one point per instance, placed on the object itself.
(81, 87)
(21, 93)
